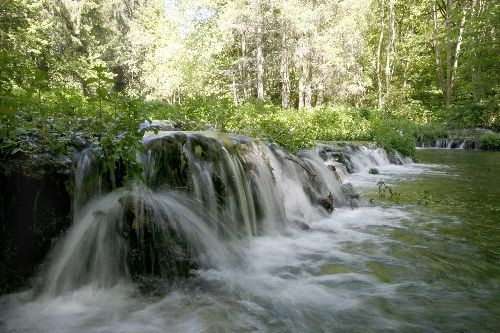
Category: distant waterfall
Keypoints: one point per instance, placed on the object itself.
(450, 143)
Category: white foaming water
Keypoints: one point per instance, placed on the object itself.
(450, 143)
(256, 270)
(280, 284)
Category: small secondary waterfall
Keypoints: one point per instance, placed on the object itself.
(357, 158)
(205, 195)
(450, 143)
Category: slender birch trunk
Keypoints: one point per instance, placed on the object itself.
(390, 46)
(449, 59)
(379, 54)
(302, 71)
(437, 50)
(244, 67)
(308, 84)
(260, 63)
(285, 74)
(458, 46)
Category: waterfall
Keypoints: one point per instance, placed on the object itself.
(204, 196)
(450, 143)
(350, 158)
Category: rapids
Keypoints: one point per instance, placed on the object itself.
(230, 234)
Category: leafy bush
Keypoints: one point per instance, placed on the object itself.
(57, 121)
(472, 115)
(430, 132)
(491, 141)
(394, 133)
(400, 104)
(291, 129)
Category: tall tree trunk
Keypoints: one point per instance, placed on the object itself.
(321, 93)
(244, 67)
(437, 49)
(452, 56)
(301, 45)
(449, 59)
(308, 84)
(78, 24)
(234, 88)
(390, 46)
(285, 74)
(458, 46)
(379, 54)
(405, 73)
(301, 89)
(260, 60)
(475, 94)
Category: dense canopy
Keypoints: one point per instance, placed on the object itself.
(354, 70)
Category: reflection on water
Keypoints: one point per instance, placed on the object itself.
(429, 264)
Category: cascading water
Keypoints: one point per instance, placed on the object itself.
(204, 194)
(216, 212)
(357, 158)
(450, 143)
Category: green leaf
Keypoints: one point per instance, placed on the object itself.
(91, 80)
(108, 79)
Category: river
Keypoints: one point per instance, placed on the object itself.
(424, 259)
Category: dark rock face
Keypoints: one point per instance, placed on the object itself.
(327, 152)
(172, 168)
(154, 249)
(35, 209)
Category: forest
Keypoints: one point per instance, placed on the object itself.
(249, 166)
(292, 72)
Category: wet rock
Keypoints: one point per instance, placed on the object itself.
(301, 225)
(155, 246)
(171, 167)
(332, 153)
(349, 191)
(159, 125)
(211, 128)
(327, 203)
(35, 209)
(373, 171)
(79, 142)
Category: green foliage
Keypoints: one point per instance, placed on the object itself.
(394, 133)
(56, 121)
(430, 132)
(94, 70)
(291, 129)
(399, 103)
(491, 141)
(384, 190)
(472, 115)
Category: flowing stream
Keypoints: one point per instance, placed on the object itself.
(241, 236)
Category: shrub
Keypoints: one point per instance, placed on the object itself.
(394, 133)
(491, 141)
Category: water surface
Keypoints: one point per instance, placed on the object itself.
(425, 260)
